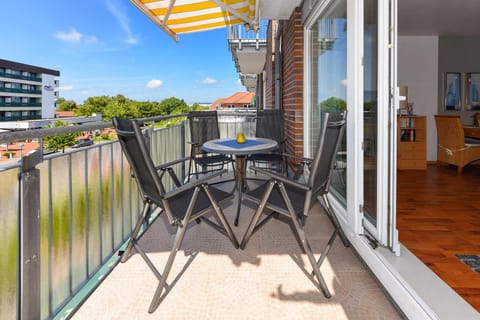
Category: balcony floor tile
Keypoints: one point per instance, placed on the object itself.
(212, 280)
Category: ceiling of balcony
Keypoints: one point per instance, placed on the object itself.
(439, 17)
(277, 9)
(251, 60)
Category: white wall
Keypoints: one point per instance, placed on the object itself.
(48, 96)
(418, 69)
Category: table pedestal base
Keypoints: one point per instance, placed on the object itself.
(240, 181)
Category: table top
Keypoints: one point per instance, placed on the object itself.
(230, 146)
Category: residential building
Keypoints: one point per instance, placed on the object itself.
(237, 100)
(26, 91)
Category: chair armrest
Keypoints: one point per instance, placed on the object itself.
(193, 143)
(193, 184)
(171, 163)
(273, 175)
(302, 159)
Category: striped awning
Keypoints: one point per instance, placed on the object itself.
(187, 16)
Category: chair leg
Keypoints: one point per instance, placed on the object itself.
(221, 217)
(256, 216)
(145, 213)
(327, 249)
(181, 229)
(334, 220)
(163, 281)
(305, 243)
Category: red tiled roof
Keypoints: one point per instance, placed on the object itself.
(236, 98)
(240, 97)
(64, 114)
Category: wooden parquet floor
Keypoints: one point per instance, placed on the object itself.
(438, 216)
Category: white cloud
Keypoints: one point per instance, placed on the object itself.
(74, 36)
(208, 81)
(154, 83)
(65, 88)
(71, 36)
(119, 14)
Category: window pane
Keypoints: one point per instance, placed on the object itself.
(328, 63)
(370, 115)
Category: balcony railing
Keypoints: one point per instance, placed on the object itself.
(19, 76)
(15, 90)
(248, 49)
(64, 216)
(15, 118)
(20, 104)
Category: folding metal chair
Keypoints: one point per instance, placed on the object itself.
(182, 205)
(204, 127)
(270, 124)
(294, 199)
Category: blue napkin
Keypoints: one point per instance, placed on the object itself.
(232, 143)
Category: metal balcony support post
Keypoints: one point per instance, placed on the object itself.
(182, 144)
(29, 225)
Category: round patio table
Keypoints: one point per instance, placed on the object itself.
(240, 151)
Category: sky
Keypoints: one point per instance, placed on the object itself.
(108, 47)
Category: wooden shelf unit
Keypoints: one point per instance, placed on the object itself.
(412, 142)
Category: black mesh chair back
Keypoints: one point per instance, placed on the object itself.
(135, 150)
(182, 205)
(270, 124)
(294, 199)
(323, 165)
(204, 127)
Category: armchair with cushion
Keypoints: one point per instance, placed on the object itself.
(453, 148)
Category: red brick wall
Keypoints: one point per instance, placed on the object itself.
(292, 82)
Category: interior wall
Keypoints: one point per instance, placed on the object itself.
(418, 61)
(458, 54)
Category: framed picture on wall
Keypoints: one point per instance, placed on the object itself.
(453, 91)
(472, 97)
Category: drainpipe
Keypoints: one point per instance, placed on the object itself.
(278, 67)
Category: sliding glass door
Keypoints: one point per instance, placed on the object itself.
(379, 121)
(350, 64)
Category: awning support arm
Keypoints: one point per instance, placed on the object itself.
(225, 7)
(152, 17)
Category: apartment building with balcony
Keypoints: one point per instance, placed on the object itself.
(26, 91)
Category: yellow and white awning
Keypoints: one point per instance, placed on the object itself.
(187, 16)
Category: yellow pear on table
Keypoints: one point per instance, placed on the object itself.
(241, 138)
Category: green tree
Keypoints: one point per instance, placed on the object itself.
(197, 107)
(59, 101)
(120, 108)
(93, 105)
(173, 105)
(333, 104)
(66, 105)
(59, 142)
